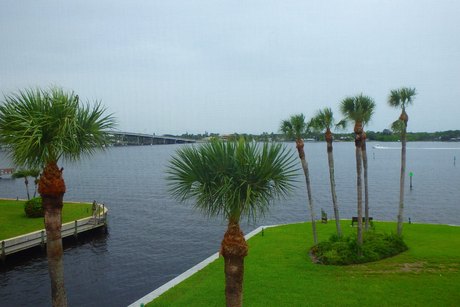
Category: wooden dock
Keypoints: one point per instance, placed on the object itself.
(38, 238)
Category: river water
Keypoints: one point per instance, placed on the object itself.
(152, 238)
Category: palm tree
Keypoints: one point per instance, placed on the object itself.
(401, 98)
(324, 121)
(25, 173)
(232, 179)
(296, 127)
(359, 109)
(40, 127)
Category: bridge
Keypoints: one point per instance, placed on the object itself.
(138, 139)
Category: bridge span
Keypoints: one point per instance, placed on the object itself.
(138, 139)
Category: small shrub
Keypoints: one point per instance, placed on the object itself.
(345, 250)
(33, 208)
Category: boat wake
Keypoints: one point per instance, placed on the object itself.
(377, 146)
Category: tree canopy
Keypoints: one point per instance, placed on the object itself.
(232, 179)
(40, 126)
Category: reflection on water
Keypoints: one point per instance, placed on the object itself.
(153, 238)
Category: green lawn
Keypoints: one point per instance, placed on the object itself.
(13, 221)
(278, 272)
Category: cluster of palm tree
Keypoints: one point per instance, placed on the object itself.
(41, 127)
(358, 110)
(228, 179)
(26, 173)
(236, 179)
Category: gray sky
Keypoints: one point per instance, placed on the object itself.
(236, 66)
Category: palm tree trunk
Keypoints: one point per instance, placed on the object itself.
(366, 185)
(359, 186)
(35, 186)
(26, 182)
(330, 158)
(401, 181)
(52, 188)
(234, 248)
(303, 160)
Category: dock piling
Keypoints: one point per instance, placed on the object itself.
(3, 252)
(75, 233)
(42, 240)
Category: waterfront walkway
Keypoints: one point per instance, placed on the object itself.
(38, 238)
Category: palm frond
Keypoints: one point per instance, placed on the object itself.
(342, 124)
(397, 126)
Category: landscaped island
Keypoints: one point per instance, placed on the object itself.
(279, 272)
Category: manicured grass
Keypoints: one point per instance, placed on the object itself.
(278, 272)
(13, 221)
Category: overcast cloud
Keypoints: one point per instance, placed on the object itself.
(236, 66)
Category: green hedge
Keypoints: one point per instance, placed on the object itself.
(33, 208)
(345, 250)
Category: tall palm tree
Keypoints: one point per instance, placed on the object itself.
(296, 127)
(359, 109)
(402, 98)
(324, 121)
(232, 179)
(41, 127)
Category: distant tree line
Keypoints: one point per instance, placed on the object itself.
(386, 135)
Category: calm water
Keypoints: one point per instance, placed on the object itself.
(153, 238)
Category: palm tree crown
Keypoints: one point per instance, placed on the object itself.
(294, 127)
(324, 120)
(359, 108)
(231, 179)
(401, 97)
(43, 126)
